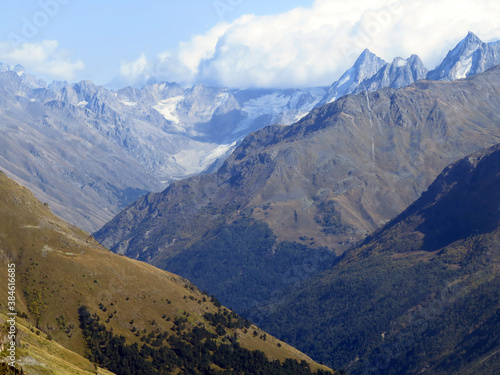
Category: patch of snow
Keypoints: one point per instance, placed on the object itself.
(399, 62)
(83, 103)
(463, 67)
(217, 153)
(202, 110)
(197, 156)
(168, 107)
(344, 80)
(127, 103)
(294, 99)
(266, 104)
(279, 108)
(318, 92)
(300, 116)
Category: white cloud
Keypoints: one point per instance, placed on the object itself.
(201, 47)
(179, 66)
(314, 46)
(42, 58)
(136, 70)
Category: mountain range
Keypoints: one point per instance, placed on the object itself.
(89, 151)
(469, 57)
(364, 229)
(314, 188)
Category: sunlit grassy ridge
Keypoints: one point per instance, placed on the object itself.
(60, 268)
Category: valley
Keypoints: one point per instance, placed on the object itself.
(342, 229)
(422, 292)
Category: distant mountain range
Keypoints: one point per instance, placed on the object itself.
(89, 151)
(109, 147)
(371, 73)
(469, 57)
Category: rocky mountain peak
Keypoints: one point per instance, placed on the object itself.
(469, 57)
(4, 67)
(400, 73)
(19, 69)
(365, 67)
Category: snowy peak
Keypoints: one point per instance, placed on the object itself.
(149, 95)
(365, 62)
(28, 82)
(4, 67)
(365, 66)
(469, 57)
(417, 67)
(202, 102)
(263, 107)
(19, 69)
(400, 73)
(371, 73)
(471, 41)
(200, 111)
(57, 85)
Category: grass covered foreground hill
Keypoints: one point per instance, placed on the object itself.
(77, 301)
(421, 295)
(38, 353)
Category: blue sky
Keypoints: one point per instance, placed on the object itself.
(103, 33)
(236, 43)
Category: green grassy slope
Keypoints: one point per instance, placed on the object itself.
(60, 268)
(38, 355)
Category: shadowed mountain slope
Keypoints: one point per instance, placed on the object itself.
(421, 293)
